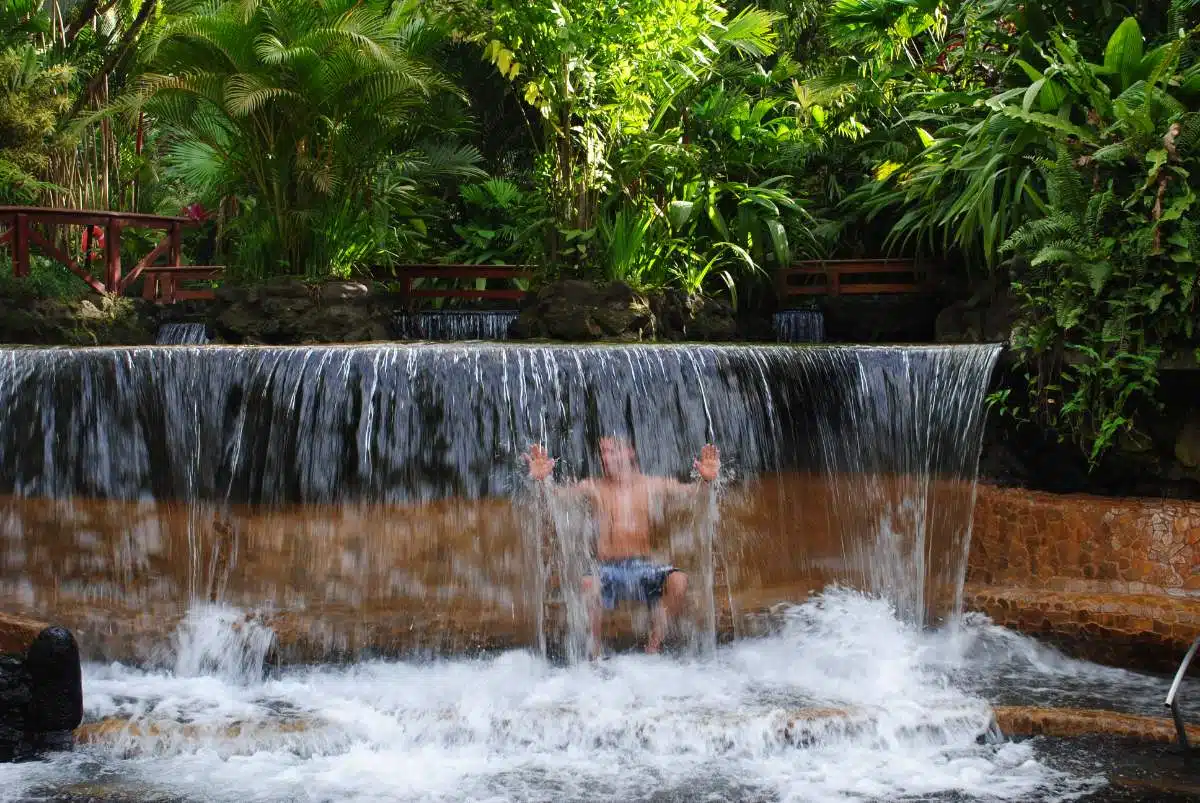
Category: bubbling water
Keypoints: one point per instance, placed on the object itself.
(845, 701)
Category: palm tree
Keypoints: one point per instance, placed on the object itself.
(299, 109)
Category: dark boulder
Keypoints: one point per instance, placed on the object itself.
(92, 321)
(53, 666)
(577, 310)
(286, 310)
(696, 318)
(15, 695)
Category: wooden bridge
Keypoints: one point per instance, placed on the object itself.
(28, 227)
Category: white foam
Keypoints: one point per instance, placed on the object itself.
(512, 727)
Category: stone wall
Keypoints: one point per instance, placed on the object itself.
(1114, 579)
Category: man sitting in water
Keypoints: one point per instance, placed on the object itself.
(621, 501)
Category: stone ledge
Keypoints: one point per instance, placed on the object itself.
(18, 632)
(800, 728)
(1131, 630)
(1019, 720)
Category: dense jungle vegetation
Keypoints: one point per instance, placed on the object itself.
(1054, 145)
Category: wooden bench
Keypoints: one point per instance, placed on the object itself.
(841, 277)
(407, 275)
(164, 284)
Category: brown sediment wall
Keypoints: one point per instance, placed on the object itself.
(443, 576)
(1117, 579)
(1114, 579)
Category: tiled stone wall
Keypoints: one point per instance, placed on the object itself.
(1085, 544)
(1112, 579)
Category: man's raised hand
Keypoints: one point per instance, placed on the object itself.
(540, 463)
(709, 464)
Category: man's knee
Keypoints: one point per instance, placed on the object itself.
(676, 584)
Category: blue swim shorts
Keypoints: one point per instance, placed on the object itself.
(633, 579)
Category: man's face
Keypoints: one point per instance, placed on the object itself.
(617, 457)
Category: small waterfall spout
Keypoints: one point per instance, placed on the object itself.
(453, 325)
(182, 334)
(799, 326)
(222, 641)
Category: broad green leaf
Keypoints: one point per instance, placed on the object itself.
(926, 138)
(680, 212)
(1052, 96)
(1156, 298)
(779, 241)
(1177, 208)
(718, 221)
(1124, 52)
(1098, 275)
(1031, 71)
(884, 171)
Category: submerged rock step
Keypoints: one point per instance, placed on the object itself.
(801, 728)
(1072, 722)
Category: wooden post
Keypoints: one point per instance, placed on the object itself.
(834, 279)
(112, 256)
(21, 246)
(149, 284)
(406, 292)
(175, 255)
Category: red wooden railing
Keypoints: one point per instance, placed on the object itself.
(840, 277)
(20, 225)
(406, 275)
(166, 284)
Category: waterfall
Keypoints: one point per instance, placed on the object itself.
(182, 334)
(454, 325)
(334, 481)
(799, 326)
(888, 448)
(220, 641)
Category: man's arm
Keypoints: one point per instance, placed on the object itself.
(708, 466)
(541, 466)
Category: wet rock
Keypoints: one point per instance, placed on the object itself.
(286, 287)
(15, 695)
(1187, 442)
(683, 317)
(986, 315)
(1076, 722)
(576, 310)
(57, 683)
(18, 632)
(52, 742)
(342, 291)
(92, 321)
(288, 311)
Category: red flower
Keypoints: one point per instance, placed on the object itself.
(93, 248)
(196, 212)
